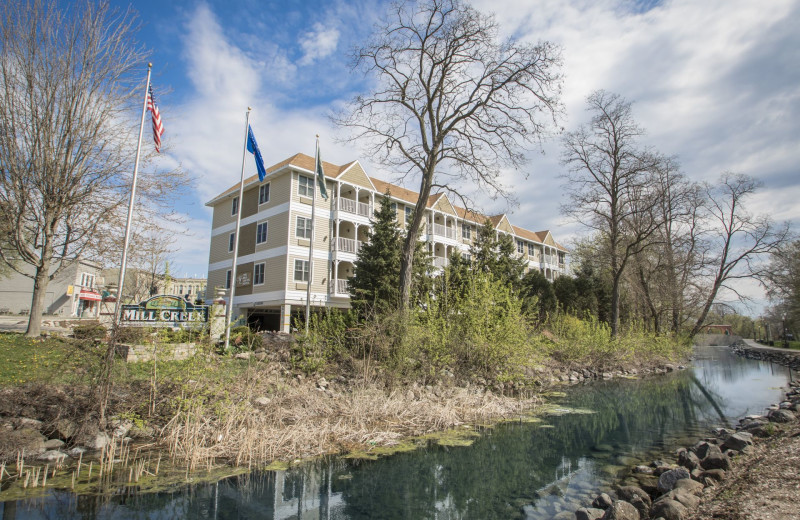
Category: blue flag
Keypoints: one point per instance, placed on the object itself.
(252, 147)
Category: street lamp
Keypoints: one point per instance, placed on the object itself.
(785, 339)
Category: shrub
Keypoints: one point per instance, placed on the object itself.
(244, 339)
(90, 331)
(133, 335)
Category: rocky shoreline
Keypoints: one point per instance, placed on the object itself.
(676, 490)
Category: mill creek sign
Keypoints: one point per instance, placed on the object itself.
(164, 310)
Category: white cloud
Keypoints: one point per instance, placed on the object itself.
(319, 43)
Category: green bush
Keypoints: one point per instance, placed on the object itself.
(134, 335)
(243, 339)
(89, 331)
(329, 337)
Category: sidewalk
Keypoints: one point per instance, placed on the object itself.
(50, 324)
(752, 344)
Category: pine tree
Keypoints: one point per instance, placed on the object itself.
(375, 283)
(497, 254)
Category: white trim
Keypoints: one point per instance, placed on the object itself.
(269, 192)
(252, 257)
(266, 235)
(263, 273)
(261, 215)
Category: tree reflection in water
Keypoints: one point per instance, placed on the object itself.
(513, 470)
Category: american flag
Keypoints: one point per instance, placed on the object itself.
(158, 127)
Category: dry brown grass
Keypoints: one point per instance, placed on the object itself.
(304, 421)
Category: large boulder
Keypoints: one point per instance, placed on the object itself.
(688, 459)
(738, 441)
(669, 510)
(668, 479)
(621, 510)
(589, 513)
(781, 416)
(638, 498)
(715, 459)
(602, 501)
(27, 439)
(689, 500)
(690, 486)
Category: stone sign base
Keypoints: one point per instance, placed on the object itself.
(163, 352)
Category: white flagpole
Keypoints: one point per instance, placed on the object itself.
(311, 246)
(229, 309)
(121, 281)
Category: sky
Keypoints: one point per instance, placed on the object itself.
(715, 83)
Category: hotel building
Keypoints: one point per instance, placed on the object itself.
(272, 273)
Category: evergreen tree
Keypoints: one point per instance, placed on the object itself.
(537, 294)
(375, 282)
(497, 254)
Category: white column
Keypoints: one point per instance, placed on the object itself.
(286, 318)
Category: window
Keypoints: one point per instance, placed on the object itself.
(231, 242)
(467, 257)
(305, 186)
(261, 233)
(228, 279)
(235, 206)
(409, 213)
(258, 274)
(87, 280)
(393, 205)
(466, 231)
(263, 193)
(303, 229)
(520, 247)
(180, 289)
(301, 270)
(531, 249)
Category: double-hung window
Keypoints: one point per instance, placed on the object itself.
(520, 247)
(263, 193)
(258, 274)
(305, 186)
(303, 229)
(228, 279)
(394, 208)
(531, 249)
(301, 270)
(409, 213)
(231, 242)
(466, 231)
(235, 206)
(261, 232)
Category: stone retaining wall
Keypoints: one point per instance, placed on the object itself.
(163, 351)
(789, 358)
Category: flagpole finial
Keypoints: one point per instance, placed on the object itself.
(317, 136)
(150, 65)
(249, 109)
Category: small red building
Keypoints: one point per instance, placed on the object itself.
(718, 329)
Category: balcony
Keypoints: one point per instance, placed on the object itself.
(341, 287)
(440, 262)
(354, 207)
(444, 231)
(347, 245)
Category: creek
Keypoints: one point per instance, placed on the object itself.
(533, 470)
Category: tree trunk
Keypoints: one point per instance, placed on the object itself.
(615, 306)
(410, 243)
(40, 283)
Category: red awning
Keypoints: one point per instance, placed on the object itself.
(90, 295)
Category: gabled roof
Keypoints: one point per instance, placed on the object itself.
(305, 162)
(299, 160)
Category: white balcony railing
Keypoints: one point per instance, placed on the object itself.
(354, 207)
(341, 287)
(439, 261)
(347, 245)
(444, 231)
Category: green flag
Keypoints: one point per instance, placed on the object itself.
(320, 174)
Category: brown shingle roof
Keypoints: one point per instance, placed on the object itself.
(332, 171)
(300, 160)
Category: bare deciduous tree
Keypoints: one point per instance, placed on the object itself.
(450, 94)
(736, 238)
(69, 83)
(610, 185)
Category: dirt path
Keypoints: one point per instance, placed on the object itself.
(762, 485)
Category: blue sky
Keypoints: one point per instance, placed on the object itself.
(714, 82)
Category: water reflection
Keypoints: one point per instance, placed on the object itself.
(516, 470)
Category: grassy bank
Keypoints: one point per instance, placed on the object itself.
(341, 389)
